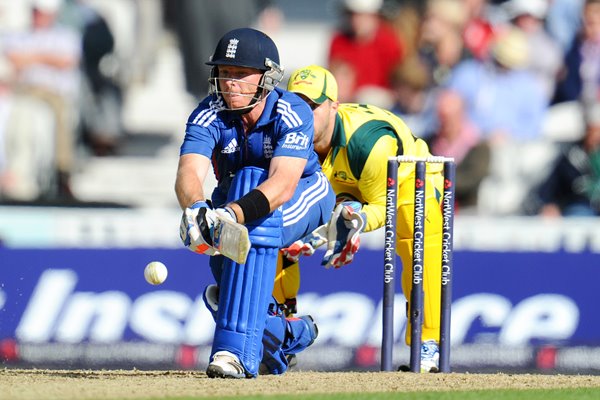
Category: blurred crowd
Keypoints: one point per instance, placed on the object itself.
(508, 88)
(60, 93)
(66, 66)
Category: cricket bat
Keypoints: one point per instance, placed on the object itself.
(231, 239)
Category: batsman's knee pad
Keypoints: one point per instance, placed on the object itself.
(274, 358)
(284, 337)
(301, 333)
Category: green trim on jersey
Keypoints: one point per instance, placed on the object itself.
(338, 140)
(361, 142)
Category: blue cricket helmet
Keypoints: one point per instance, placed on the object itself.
(245, 47)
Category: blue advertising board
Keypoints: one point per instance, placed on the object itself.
(56, 302)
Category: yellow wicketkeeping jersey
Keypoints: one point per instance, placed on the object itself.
(363, 139)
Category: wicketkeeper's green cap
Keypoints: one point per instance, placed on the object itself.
(314, 82)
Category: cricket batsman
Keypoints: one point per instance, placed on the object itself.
(271, 191)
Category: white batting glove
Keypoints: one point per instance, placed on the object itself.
(343, 235)
(195, 230)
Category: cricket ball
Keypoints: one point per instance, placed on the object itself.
(155, 273)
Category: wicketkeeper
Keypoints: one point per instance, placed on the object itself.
(259, 139)
(354, 142)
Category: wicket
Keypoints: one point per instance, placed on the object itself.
(389, 267)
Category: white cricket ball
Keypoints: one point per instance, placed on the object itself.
(155, 273)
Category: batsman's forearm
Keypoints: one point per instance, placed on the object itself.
(188, 189)
(191, 173)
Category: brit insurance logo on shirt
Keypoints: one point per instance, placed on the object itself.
(296, 141)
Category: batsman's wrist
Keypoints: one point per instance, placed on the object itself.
(254, 205)
(201, 203)
(230, 211)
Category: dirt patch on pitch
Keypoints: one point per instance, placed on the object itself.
(119, 384)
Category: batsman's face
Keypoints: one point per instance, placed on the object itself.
(238, 85)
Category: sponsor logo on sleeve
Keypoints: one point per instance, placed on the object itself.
(296, 141)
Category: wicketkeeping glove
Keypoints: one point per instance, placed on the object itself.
(307, 245)
(195, 230)
(343, 235)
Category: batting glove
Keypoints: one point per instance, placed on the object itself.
(343, 235)
(195, 229)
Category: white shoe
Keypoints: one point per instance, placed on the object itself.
(225, 365)
(430, 356)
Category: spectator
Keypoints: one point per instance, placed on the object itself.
(504, 100)
(5, 76)
(441, 42)
(101, 93)
(479, 29)
(582, 62)
(364, 51)
(573, 186)
(415, 94)
(46, 61)
(406, 18)
(545, 57)
(459, 138)
(563, 21)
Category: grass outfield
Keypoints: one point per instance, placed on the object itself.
(531, 394)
